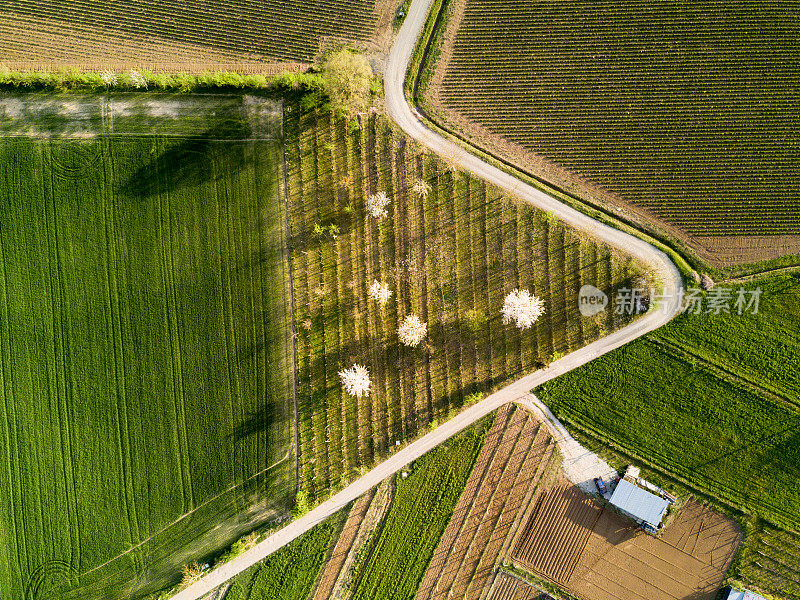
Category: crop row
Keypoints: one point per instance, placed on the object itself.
(554, 537)
(245, 27)
(449, 257)
(508, 472)
(508, 587)
(679, 119)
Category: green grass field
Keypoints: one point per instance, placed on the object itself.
(144, 390)
(713, 400)
(449, 257)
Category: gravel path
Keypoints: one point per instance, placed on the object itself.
(657, 261)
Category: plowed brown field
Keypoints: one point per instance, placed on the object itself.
(558, 530)
(597, 554)
(508, 587)
(346, 538)
(514, 457)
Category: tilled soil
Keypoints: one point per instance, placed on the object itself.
(600, 555)
(508, 587)
(509, 468)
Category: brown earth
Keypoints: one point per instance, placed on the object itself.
(355, 543)
(598, 554)
(511, 465)
(340, 552)
(720, 250)
(557, 532)
(508, 587)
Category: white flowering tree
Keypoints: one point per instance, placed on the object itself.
(412, 331)
(376, 205)
(356, 380)
(522, 308)
(109, 78)
(138, 80)
(421, 188)
(380, 292)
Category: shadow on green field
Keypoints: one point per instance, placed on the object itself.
(187, 162)
(261, 419)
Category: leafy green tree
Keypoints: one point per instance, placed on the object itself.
(347, 77)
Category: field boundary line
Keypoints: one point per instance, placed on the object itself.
(659, 263)
(290, 272)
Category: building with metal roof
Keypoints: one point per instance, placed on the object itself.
(640, 504)
(745, 595)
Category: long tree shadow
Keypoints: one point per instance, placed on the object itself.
(191, 161)
(261, 419)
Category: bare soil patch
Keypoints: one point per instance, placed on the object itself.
(340, 552)
(508, 587)
(598, 554)
(557, 532)
(510, 467)
(354, 543)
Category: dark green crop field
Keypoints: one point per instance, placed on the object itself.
(686, 109)
(715, 401)
(144, 388)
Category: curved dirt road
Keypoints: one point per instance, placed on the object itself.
(656, 260)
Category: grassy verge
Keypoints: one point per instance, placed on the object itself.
(538, 583)
(418, 61)
(422, 507)
(71, 79)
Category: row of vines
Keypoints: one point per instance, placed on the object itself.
(243, 30)
(449, 256)
(687, 109)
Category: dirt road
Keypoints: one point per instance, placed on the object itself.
(657, 261)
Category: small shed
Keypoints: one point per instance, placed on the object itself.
(640, 504)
